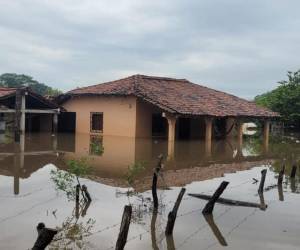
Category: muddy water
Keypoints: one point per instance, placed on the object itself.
(28, 194)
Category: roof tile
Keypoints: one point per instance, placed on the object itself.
(178, 96)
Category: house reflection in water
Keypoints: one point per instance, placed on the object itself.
(110, 156)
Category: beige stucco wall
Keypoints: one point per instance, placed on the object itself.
(119, 114)
(122, 116)
(144, 113)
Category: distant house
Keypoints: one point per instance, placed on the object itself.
(147, 106)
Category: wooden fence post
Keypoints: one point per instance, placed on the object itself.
(124, 228)
(77, 201)
(86, 193)
(173, 214)
(154, 181)
(294, 170)
(210, 220)
(153, 230)
(281, 174)
(262, 181)
(209, 207)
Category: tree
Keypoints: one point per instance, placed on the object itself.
(285, 99)
(12, 80)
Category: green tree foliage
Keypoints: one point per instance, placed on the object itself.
(285, 99)
(66, 180)
(12, 80)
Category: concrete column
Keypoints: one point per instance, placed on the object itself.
(208, 135)
(55, 124)
(230, 127)
(266, 135)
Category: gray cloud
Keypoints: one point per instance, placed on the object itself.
(242, 47)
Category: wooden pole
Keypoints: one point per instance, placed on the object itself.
(86, 193)
(210, 221)
(55, 124)
(281, 174)
(124, 228)
(262, 181)
(23, 107)
(228, 202)
(280, 179)
(153, 230)
(293, 172)
(18, 105)
(77, 201)
(85, 208)
(280, 193)
(173, 214)
(209, 207)
(154, 182)
(293, 185)
(170, 242)
(45, 236)
(263, 205)
(154, 191)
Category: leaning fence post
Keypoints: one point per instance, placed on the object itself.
(86, 193)
(262, 181)
(173, 214)
(154, 181)
(293, 172)
(209, 207)
(124, 228)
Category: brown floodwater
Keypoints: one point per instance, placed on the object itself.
(33, 190)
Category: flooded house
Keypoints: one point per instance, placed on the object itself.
(116, 131)
(142, 106)
(24, 110)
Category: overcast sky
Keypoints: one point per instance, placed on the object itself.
(242, 47)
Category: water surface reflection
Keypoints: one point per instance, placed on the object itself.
(28, 196)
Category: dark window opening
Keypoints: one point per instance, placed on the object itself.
(159, 126)
(96, 122)
(67, 122)
(184, 128)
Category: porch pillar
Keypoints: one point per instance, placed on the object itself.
(171, 134)
(208, 135)
(171, 128)
(230, 127)
(240, 136)
(266, 135)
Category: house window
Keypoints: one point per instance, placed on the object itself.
(96, 122)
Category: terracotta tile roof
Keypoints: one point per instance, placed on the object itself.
(7, 91)
(177, 96)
